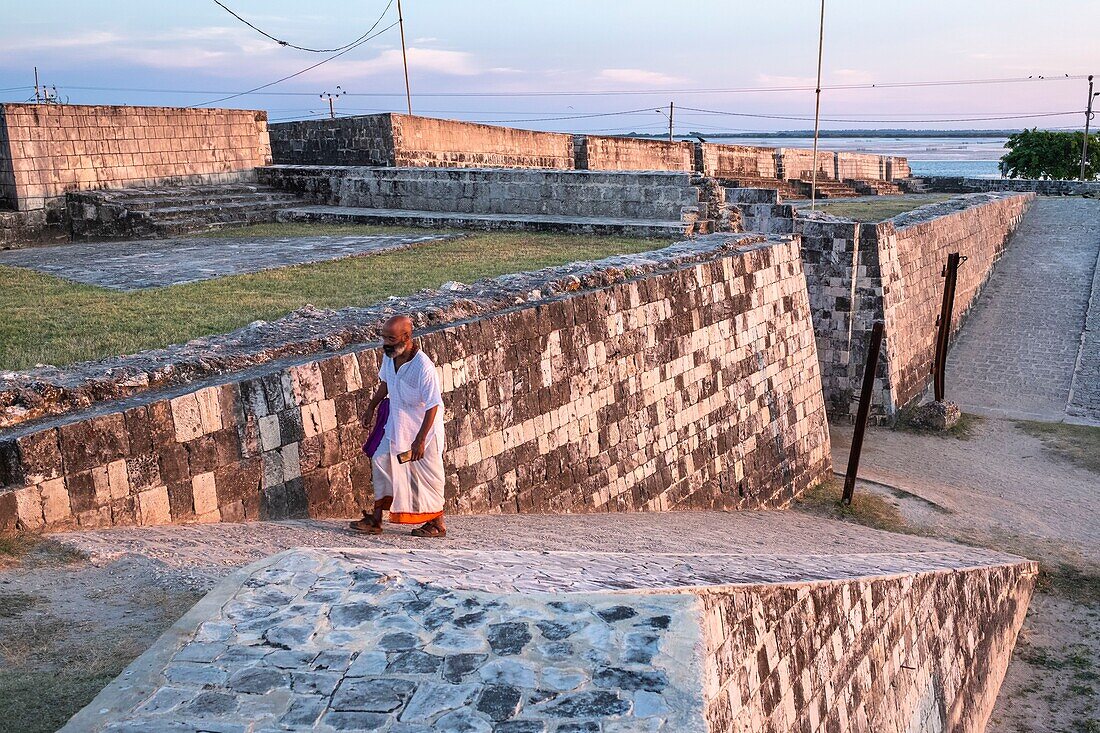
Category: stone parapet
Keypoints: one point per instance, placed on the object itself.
(735, 161)
(686, 377)
(961, 184)
(599, 153)
(47, 150)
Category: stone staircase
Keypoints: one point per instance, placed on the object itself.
(786, 189)
(875, 187)
(170, 211)
(828, 188)
(636, 203)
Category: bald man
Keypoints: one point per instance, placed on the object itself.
(408, 463)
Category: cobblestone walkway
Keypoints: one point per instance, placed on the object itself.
(486, 640)
(1018, 351)
(156, 263)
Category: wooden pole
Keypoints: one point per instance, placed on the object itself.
(865, 395)
(817, 106)
(404, 57)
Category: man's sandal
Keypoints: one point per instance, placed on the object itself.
(365, 527)
(429, 530)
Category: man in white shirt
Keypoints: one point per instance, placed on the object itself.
(407, 466)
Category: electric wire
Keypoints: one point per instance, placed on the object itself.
(288, 44)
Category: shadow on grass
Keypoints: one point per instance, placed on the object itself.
(31, 549)
(1079, 444)
(866, 508)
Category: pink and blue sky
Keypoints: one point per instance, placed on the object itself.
(587, 52)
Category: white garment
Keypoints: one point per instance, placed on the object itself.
(416, 486)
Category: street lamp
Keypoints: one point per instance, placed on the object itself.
(668, 114)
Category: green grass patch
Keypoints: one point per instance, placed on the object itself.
(1069, 582)
(1079, 444)
(52, 321)
(42, 702)
(880, 209)
(866, 508)
(32, 549)
(964, 429)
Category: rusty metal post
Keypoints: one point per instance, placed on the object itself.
(943, 335)
(865, 394)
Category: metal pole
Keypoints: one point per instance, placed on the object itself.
(943, 335)
(817, 106)
(1085, 141)
(404, 57)
(331, 108)
(865, 395)
(38, 99)
(670, 121)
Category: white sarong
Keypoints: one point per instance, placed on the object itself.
(416, 486)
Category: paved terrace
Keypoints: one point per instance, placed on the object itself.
(156, 263)
(517, 624)
(1031, 347)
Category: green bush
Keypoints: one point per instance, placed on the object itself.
(1045, 154)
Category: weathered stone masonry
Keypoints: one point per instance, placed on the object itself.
(897, 278)
(693, 386)
(920, 652)
(49, 150)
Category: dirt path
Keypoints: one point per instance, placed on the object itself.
(1003, 488)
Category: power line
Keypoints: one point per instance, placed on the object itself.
(730, 90)
(288, 44)
(366, 37)
(859, 119)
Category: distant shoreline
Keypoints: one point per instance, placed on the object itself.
(824, 134)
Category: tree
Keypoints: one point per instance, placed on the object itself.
(1045, 154)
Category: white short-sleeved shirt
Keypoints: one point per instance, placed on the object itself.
(413, 390)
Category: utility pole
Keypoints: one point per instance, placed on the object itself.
(38, 98)
(1085, 141)
(404, 56)
(817, 106)
(670, 110)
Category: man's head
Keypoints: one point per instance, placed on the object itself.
(397, 336)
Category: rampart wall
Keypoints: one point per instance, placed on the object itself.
(597, 153)
(920, 652)
(860, 166)
(731, 161)
(960, 184)
(47, 150)
(892, 271)
(691, 384)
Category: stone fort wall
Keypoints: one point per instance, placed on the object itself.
(858, 273)
(692, 385)
(921, 652)
(408, 140)
(599, 153)
(48, 150)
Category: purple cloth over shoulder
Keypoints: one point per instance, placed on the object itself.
(379, 430)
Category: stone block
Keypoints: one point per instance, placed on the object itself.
(186, 417)
(93, 442)
(154, 506)
(40, 454)
(55, 501)
(204, 492)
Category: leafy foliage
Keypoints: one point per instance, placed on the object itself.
(1045, 154)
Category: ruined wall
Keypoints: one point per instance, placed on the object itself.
(913, 249)
(858, 273)
(918, 653)
(403, 140)
(694, 386)
(861, 166)
(731, 161)
(797, 163)
(597, 153)
(961, 184)
(897, 168)
(53, 149)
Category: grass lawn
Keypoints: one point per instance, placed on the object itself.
(51, 321)
(1078, 444)
(880, 209)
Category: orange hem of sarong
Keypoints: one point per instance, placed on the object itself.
(413, 517)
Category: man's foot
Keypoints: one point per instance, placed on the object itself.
(430, 529)
(366, 525)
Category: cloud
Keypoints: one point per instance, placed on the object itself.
(775, 80)
(421, 60)
(637, 77)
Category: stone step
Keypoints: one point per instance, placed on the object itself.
(218, 209)
(503, 175)
(514, 222)
(162, 203)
